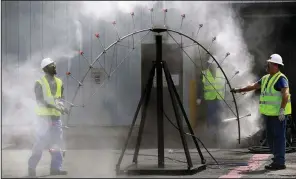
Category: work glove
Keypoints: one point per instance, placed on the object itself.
(234, 90)
(198, 101)
(282, 114)
(62, 108)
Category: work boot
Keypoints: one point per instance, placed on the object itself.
(275, 166)
(58, 172)
(31, 172)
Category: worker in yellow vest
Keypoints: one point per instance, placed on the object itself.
(212, 93)
(48, 92)
(275, 106)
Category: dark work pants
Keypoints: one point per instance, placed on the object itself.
(276, 137)
(213, 116)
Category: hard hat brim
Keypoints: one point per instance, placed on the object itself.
(275, 62)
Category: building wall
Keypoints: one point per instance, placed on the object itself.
(33, 30)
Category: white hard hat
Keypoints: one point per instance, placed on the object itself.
(275, 58)
(46, 62)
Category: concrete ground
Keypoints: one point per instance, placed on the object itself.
(93, 152)
(234, 163)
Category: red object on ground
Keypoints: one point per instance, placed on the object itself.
(68, 73)
(81, 52)
(97, 35)
(254, 163)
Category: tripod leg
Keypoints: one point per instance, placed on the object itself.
(142, 124)
(170, 80)
(132, 125)
(179, 121)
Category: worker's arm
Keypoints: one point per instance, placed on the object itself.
(251, 87)
(39, 94)
(40, 98)
(200, 90)
(283, 85)
(62, 92)
(285, 97)
(254, 86)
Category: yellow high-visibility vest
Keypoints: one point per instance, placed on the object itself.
(214, 88)
(270, 99)
(42, 110)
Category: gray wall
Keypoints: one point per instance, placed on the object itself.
(32, 30)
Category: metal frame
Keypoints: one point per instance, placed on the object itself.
(80, 83)
(160, 65)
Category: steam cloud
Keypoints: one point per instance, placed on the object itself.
(218, 21)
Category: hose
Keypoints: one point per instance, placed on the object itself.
(266, 150)
(194, 137)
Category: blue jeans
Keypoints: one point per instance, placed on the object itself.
(276, 137)
(49, 136)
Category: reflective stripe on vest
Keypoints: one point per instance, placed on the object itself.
(270, 99)
(213, 87)
(42, 110)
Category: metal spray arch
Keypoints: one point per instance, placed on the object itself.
(134, 45)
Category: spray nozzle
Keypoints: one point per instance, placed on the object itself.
(81, 52)
(237, 72)
(214, 38)
(183, 16)
(68, 73)
(97, 35)
(114, 22)
(165, 10)
(227, 54)
(232, 119)
(200, 25)
(132, 13)
(151, 9)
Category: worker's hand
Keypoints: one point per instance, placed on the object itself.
(59, 103)
(282, 114)
(62, 109)
(235, 90)
(66, 111)
(198, 101)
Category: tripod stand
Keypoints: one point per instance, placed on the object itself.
(160, 65)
